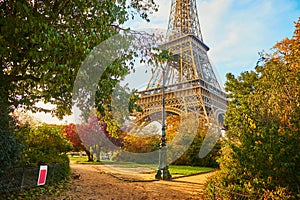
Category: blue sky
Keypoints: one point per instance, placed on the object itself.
(236, 30)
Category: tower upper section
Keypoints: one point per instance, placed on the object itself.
(183, 19)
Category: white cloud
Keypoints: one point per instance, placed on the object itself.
(236, 30)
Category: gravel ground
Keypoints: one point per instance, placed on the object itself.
(96, 182)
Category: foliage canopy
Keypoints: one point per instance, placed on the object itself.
(44, 42)
(42, 45)
(261, 151)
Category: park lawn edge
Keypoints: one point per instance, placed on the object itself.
(183, 170)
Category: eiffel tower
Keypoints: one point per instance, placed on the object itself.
(191, 84)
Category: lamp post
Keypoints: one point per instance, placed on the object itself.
(163, 166)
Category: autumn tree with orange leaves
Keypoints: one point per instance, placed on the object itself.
(261, 153)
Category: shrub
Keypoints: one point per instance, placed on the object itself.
(62, 169)
(191, 156)
(45, 145)
(10, 150)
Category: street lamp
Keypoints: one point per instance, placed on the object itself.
(163, 166)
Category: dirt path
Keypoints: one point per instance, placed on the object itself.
(95, 183)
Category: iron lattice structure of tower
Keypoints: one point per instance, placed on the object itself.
(191, 84)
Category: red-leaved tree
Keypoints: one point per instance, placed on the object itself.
(73, 136)
(95, 137)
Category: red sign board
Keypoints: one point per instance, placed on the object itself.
(42, 175)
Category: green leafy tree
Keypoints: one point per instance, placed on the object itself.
(44, 42)
(42, 45)
(261, 150)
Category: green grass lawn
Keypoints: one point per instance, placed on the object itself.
(188, 170)
(82, 160)
(174, 169)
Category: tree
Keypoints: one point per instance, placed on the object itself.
(142, 140)
(260, 154)
(72, 135)
(95, 137)
(44, 42)
(191, 155)
(42, 45)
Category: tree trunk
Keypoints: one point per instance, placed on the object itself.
(90, 156)
(98, 151)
